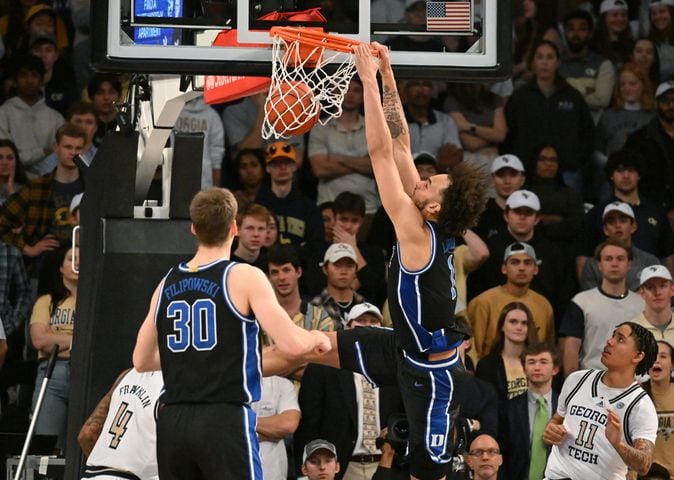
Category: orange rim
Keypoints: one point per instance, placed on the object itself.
(314, 38)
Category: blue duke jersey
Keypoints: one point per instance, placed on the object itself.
(127, 441)
(209, 351)
(584, 403)
(422, 302)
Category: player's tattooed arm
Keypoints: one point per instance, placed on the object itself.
(393, 111)
(640, 457)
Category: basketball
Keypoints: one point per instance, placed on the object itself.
(290, 108)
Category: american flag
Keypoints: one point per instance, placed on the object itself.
(448, 16)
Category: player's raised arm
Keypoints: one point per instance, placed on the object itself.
(396, 121)
(146, 352)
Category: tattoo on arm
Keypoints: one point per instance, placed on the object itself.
(639, 457)
(393, 112)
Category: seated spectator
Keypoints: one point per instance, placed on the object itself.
(104, 90)
(562, 210)
(657, 290)
(338, 153)
(661, 390)
(613, 38)
(42, 18)
(249, 164)
(624, 170)
(661, 32)
(480, 118)
(502, 367)
(651, 141)
(592, 315)
(328, 215)
(524, 417)
(619, 225)
(60, 91)
(519, 267)
(484, 458)
(430, 130)
(549, 110)
(271, 237)
(251, 223)
(75, 208)
(585, 70)
(198, 117)
(52, 324)
(645, 56)
(633, 107)
(12, 175)
(507, 176)
(82, 114)
(319, 460)
(415, 14)
(26, 119)
(299, 221)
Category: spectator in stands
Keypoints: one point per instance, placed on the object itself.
(328, 215)
(520, 266)
(592, 315)
(430, 130)
(298, 217)
(60, 89)
(12, 175)
(468, 256)
(549, 110)
(484, 458)
(661, 32)
(338, 153)
(252, 226)
(524, 417)
(503, 366)
(661, 390)
(75, 208)
(613, 38)
(554, 279)
(426, 164)
(249, 164)
(278, 415)
(42, 18)
(26, 119)
(271, 237)
(104, 90)
(625, 169)
(195, 117)
(36, 218)
(585, 70)
(657, 290)
(507, 176)
(82, 114)
(479, 116)
(633, 107)
(619, 225)
(655, 143)
(15, 293)
(52, 324)
(319, 460)
(415, 14)
(645, 56)
(562, 210)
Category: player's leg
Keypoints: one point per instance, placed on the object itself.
(174, 454)
(370, 351)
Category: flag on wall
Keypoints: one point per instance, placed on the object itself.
(449, 16)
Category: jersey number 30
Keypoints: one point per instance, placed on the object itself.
(192, 325)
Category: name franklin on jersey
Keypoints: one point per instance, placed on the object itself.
(581, 448)
(137, 391)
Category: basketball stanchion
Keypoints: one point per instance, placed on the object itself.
(36, 412)
(302, 92)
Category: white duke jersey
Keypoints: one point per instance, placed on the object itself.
(128, 440)
(586, 453)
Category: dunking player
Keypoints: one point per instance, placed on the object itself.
(119, 436)
(202, 331)
(605, 422)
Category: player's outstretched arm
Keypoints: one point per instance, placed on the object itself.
(146, 353)
(640, 457)
(397, 124)
(274, 362)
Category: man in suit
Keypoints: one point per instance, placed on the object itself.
(519, 416)
(335, 406)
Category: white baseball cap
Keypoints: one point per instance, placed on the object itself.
(664, 87)
(523, 198)
(361, 309)
(621, 207)
(75, 202)
(654, 271)
(655, 3)
(608, 5)
(337, 251)
(507, 161)
(520, 247)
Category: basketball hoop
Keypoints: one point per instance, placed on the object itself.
(300, 88)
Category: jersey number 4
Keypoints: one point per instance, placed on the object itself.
(192, 325)
(118, 427)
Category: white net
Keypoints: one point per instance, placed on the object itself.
(301, 89)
